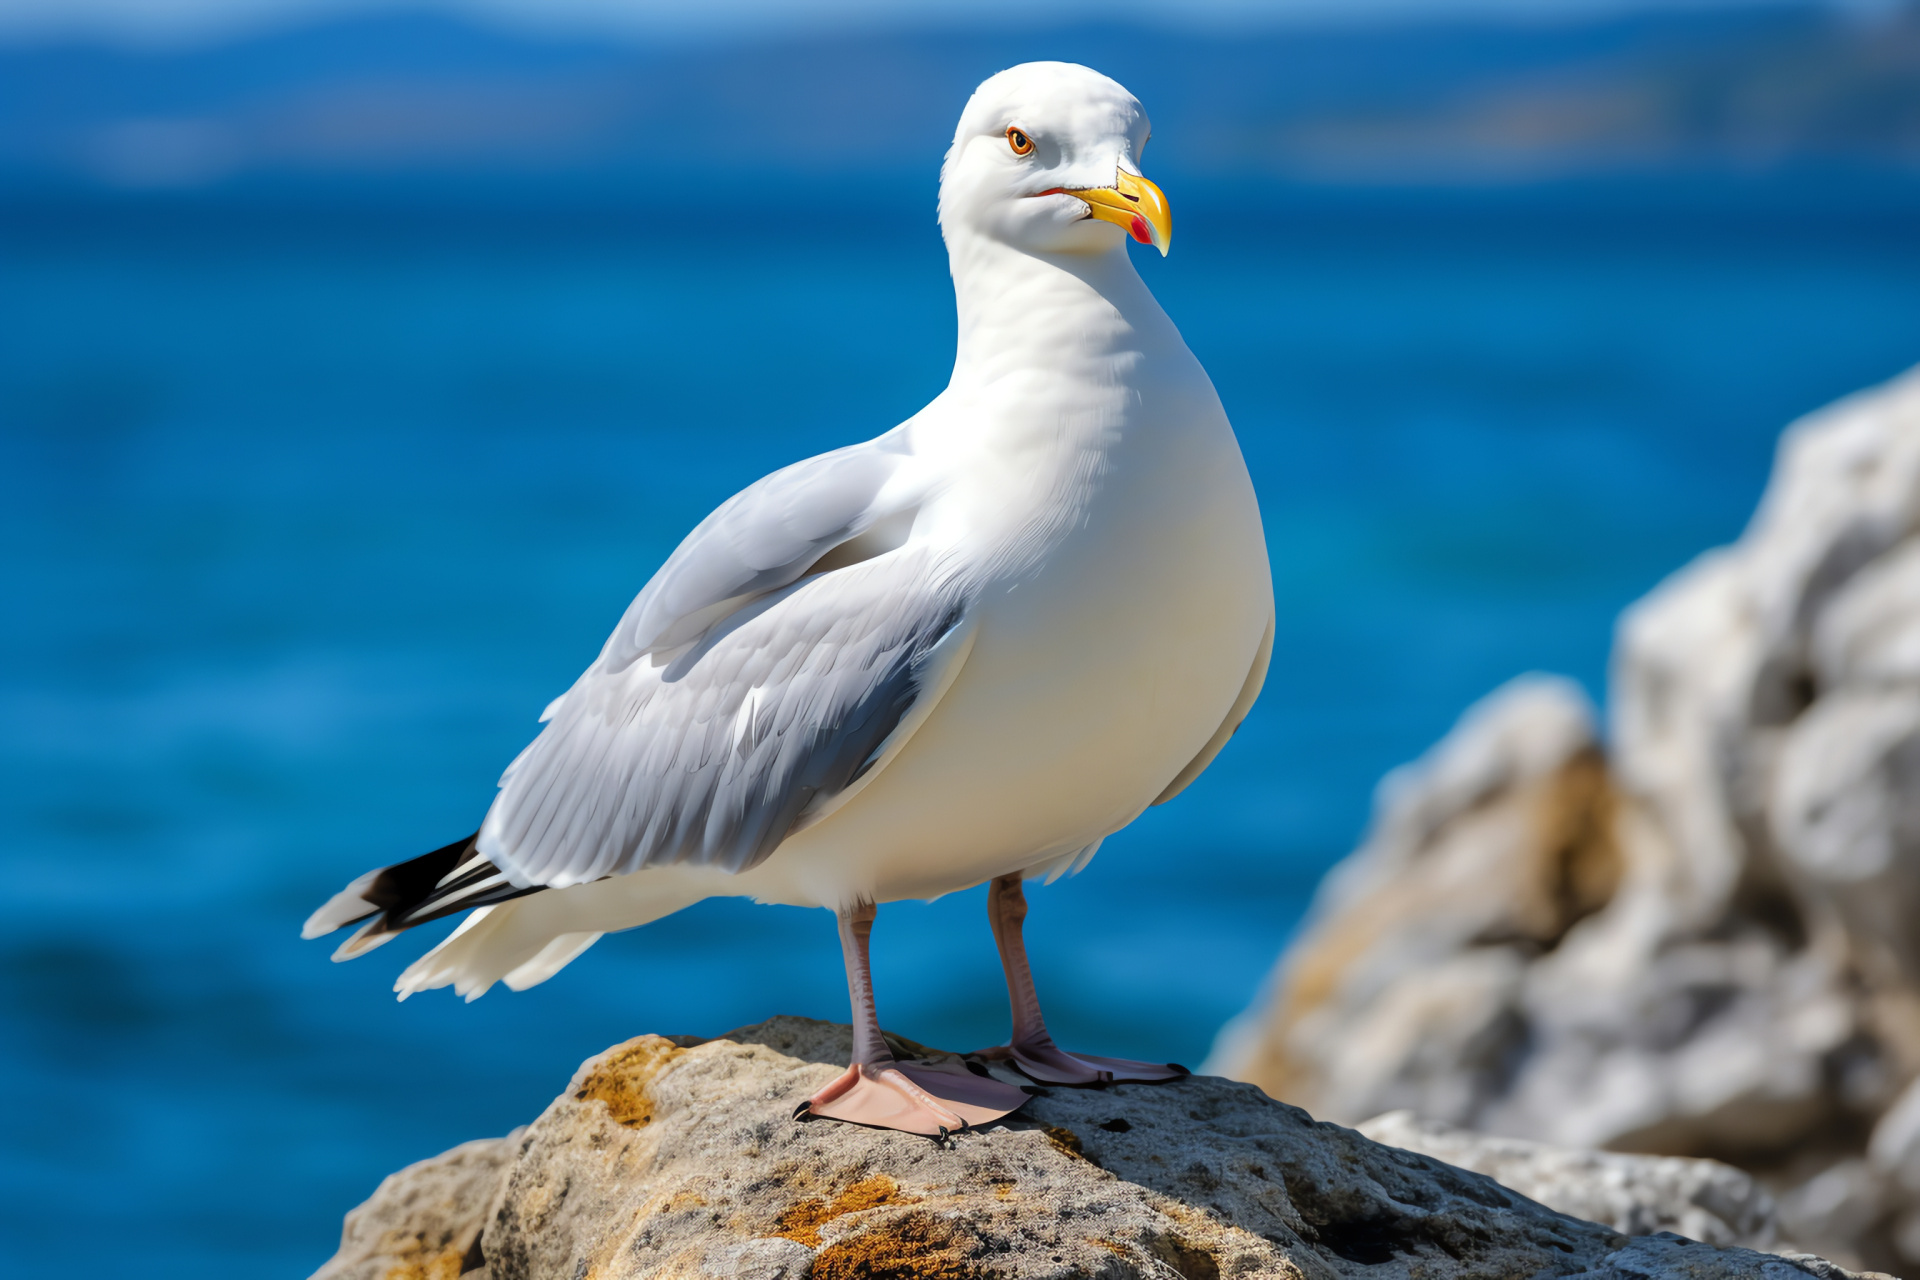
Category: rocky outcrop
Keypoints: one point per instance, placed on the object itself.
(423, 1223)
(1700, 940)
(671, 1157)
(1634, 1194)
(1407, 992)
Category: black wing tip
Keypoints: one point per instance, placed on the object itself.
(397, 895)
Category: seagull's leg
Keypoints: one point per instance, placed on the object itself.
(1032, 1049)
(876, 1090)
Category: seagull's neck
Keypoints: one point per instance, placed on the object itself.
(1067, 373)
(1021, 312)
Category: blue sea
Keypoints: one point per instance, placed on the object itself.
(312, 500)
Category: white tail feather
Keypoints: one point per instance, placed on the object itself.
(363, 940)
(525, 941)
(552, 958)
(343, 908)
(447, 963)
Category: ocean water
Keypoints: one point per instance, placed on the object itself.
(310, 504)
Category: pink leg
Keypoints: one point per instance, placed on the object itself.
(1032, 1049)
(878, 1091)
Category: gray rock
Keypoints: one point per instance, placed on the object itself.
(1894, 1146)
(1837, 1207)
(1730, 968)
(1846, 816)
(423, 1223)
(1636, 1195)
(1870, 633)
(1406, 988)
(669, 1157)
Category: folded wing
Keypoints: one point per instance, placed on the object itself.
(781, 654)
(713, 756)
(763, 538)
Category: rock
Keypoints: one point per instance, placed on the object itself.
(1845, 805)
(1894, 1146)
(1842, 1204)
(672, 1157)
(1729, 969)
(1405, 990)
(1636, 1195)
(1869, 635)
(1846, 813)
(423, 1223)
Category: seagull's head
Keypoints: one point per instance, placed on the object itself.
(1047, 159)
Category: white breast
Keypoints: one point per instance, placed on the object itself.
(1126, 594)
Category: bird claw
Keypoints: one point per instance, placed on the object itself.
(934, 1101)
(1050, 1064)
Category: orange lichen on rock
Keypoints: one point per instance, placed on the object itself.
(1065, 1141)
(419, 1264)
(1191, 1190)
(1194, 1262)
(802, 1221)
(620, 1079)
(908, 1246)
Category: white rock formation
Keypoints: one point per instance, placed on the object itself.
(1407, 992)
(1709, 942)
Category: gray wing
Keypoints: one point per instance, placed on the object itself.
(714, 754)
(759, 540)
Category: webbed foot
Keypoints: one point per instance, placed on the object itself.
(1048, 1063)
(918, 1098)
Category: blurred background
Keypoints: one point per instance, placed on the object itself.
(358, 363)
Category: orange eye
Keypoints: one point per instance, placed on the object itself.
(1022, 145)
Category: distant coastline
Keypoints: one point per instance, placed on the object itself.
(1742, 90)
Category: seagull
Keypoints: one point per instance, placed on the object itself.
(963, 652)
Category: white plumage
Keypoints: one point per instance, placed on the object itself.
(970, 648)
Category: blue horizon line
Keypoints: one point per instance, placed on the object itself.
(528, 24)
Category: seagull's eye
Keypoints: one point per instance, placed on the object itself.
(1022, 145)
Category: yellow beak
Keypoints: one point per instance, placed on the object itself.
(1133, 203)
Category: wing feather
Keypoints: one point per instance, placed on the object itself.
(765, 701)
(761, 539)
(712, 758)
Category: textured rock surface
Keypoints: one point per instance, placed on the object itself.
(673, 1158)
(423, 1223)
(1634, 1194)
(1730, 966)
(1485, 852)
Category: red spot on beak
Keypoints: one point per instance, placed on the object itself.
(1141, 231)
